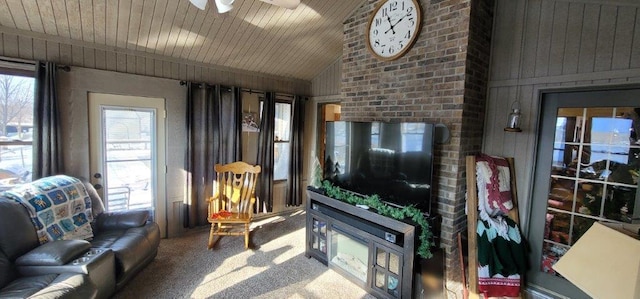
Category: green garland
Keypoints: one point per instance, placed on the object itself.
(384, 209)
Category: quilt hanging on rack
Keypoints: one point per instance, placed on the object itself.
(501, 250)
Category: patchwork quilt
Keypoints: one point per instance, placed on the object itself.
(59, 207)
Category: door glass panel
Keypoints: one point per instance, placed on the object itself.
(380, 280)
(319, 235)
(594, 175)
(128, 158)
(392, 286)
(394, 263)
(561, 196)
(387, 269)
(381, 258)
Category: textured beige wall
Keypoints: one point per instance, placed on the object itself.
(73, 88)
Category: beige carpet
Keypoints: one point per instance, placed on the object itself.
(275, 268)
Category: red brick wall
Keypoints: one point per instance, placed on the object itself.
(441, 79)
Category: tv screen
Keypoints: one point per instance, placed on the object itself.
(392, 160)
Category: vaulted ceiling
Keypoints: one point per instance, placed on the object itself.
(254, 36)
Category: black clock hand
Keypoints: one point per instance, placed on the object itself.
(400, 20)
(390, 26)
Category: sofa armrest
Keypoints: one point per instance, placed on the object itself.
(54, 253)
(122, 220)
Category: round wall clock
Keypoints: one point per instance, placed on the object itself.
(393, 28)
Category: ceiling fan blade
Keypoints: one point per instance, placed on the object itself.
(289, 4)
(201, 4)
(224, 5)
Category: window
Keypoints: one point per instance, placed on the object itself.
(412, 136)
(375, 135)
(558, 144)
(597, 181)
(16, 129)
(282, 133)
(341, 146)
(587, 170)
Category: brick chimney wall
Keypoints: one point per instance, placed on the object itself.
(442, 79)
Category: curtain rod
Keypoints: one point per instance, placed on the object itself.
(184, 82)
(249, 90)
(65, 68)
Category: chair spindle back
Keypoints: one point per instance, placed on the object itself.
(236, 183)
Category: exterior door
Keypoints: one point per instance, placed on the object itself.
(587, 170)
(128, 152)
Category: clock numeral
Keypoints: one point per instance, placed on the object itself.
(413, 22)
(378, 22)
(391, 50)
(376, 43)
(394, 5)
(409, 10)
(401, 45)
(385, 12)
(408, 35)
(375, 32)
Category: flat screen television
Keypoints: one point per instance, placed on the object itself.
(392, 160)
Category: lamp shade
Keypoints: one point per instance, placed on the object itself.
(513, 121)
(604, 262)
(224, 5)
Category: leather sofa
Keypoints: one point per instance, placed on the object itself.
(123, 243)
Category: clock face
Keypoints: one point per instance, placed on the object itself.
(393, 28)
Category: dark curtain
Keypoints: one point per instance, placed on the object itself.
(296, 157)
(265, 153)
(47, 147)
(213, 128)
(230, 122)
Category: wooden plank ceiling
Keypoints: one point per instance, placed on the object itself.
(254, 36)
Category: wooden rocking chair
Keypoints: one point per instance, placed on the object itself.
(232, 202)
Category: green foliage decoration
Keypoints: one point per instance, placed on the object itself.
(373, 201)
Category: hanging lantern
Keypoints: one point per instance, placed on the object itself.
(513, 121)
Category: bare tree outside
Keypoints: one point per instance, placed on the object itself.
(16, 104)
(16, 130)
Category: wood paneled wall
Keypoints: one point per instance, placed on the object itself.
(328, 82)
(541, 45)
(34, 46)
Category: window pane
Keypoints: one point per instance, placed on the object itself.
(16, 130)
(375, 135)
(128, 136)
(283, 122)
(412, 136)
(341, 146)
(281, 161)
(15, 167)
(281, 136)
